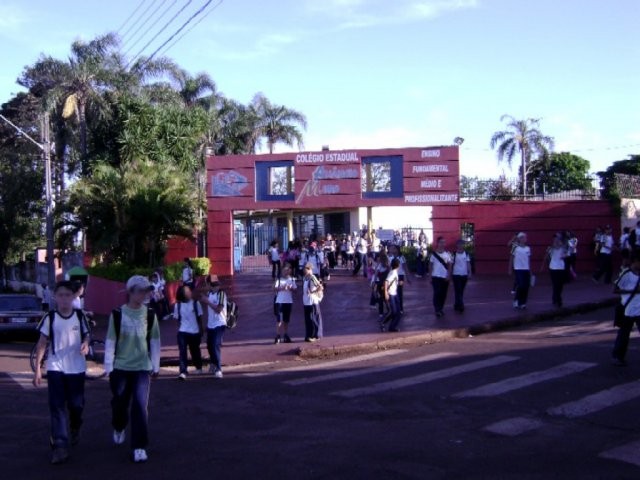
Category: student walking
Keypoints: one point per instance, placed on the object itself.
(555, 261)
(605, 263)
(274, 259)
(216, 324)
(520, 267)
(311, 291)
(188, 313)
(628, 286)
(66, 332)
(132, 355)
(391, 296)
(188, 278)
(284, 287)
(461, 273)
(402, 273)
(440, 271)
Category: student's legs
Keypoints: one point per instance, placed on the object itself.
(607, 268)
(193, 342)
(139, 409)
(401, 292)
(308, 322)
(182, 351)
(121, 390)
(75, 399)
(58, 409)
(394, 305)
(523, 280)
(557, 282)
(285, 309)
(622, 339)
(459, 283)
(214, 345)
(381, 301)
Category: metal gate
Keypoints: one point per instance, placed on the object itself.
(250, 245)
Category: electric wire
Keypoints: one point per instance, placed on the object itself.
(191, 28)
(144, 34)
(140, 17)
(131, 16)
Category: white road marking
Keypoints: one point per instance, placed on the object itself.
(367, 371)
(597, 401)
(25, 379)
(522, 381)
(513, 427)
(425, 377)
(329, 364)
(629, 453)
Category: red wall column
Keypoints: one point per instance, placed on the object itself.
(220, 241)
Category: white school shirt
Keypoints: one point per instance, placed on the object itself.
(285, 296)
(439, 270)
(624, 242)
(402, 261)
(461, 264)
(307, 298)
(392, 282)
(362, 245)
(556, 258)
(67, 336)
(187, 275)
(607, 244)
(275, 255)
(628, 281)
(521, 257)
(185, 312)
(215, 319)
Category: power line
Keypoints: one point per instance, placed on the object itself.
(571, 150)
(157, 34)
(179, 30)
(131, 16)
(151, 26)
(134, 34)
(140, 17)
(192, 27)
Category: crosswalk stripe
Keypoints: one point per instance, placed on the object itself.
(515, 383)
(329, 364)
(425, 377)
(629, 453)
(368, 371)
(24, 379)
(513, 427)
(598, 401)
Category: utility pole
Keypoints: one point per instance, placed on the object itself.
(46, 156)
(45, 148)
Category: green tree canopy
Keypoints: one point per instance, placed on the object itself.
(559, 172)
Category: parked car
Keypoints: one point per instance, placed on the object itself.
(19, 312)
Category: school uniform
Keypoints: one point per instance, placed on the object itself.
(284, 298)
(216, 326)
(312, 313)
(605, 263)
(189, 334)
(393, 281)
(440, 279)
(558, 273)
(628, 281)
(522, 272)
(461, 271)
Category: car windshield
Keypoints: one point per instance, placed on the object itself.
(15, 303)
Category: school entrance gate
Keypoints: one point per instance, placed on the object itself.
(253, 199)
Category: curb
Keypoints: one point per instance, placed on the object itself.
(317, 351)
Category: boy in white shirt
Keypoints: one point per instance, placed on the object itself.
(520, 267)
(627, 286)
(461, 273)
(66, 332)
(216, 324)
(440, 271)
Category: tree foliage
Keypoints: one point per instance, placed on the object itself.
(559, 172)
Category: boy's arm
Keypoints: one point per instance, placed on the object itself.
(154, 343)
(41, 347)
(109, 347)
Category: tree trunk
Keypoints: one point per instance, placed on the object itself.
(524, 172)
(82, 120)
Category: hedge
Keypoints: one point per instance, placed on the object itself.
(120, 272)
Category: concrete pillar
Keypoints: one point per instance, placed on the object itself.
(370, 219)
(290, 224)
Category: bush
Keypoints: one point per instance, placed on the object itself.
(120, 272)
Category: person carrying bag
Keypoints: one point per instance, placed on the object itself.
(627, 312)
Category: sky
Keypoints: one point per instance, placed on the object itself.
(383, 73)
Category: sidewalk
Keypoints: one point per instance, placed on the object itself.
(351, 326)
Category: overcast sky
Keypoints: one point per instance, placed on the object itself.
(381, 73)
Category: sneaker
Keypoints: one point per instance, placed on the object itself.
(182, 376)
(309, 339)
(515, 304)
(212, 369)
(218, 374)
(277, 340)
(140, 455)
(75, 436)
(119, 437)
(59, 455)
(287, 339)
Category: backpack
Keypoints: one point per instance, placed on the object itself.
(232, 310)
(84, 328)
(117, 323)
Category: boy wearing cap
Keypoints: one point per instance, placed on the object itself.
(132, 355)
(216, 324)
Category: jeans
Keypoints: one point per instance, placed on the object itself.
(440, 288)
(401, 292)
(275, 269)
(214, 344)
(66, 392)
(558, 277)
(523, 282)
(361, 262)
(131, 388)
(394, 305)
(459, 284)
(192, 342)
(622, 339)
(312, 322)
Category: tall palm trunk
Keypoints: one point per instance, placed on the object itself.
(524, 171)
(84, 154)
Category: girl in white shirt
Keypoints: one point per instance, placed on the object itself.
(284, 287)
(461, 273)
(188, 313)
(440, 271)
(519, 266)
(312, 315)
(555, 260)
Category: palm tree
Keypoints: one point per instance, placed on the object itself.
(277, 123)
(521, 137)
(194, 90)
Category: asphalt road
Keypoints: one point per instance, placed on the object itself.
(539, 402)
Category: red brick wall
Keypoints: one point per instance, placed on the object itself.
(179, 248)
(496, 222)
(220, 242)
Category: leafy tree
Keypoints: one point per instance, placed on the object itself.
(629, 166)
(277, 123)
(523, 138)
(560, 172)
(130, 211)
(21, 181)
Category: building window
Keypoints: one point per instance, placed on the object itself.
(381, 177)
(275, 181)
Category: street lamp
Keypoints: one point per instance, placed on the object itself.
(45, 148)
